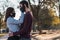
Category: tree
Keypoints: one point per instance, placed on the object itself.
(42, 13)
(1, 16)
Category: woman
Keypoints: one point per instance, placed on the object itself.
(13, 24)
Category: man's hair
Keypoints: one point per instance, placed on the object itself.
(24, 2)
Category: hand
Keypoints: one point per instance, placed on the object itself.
(10, 34)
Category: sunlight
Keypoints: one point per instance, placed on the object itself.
(18, 14)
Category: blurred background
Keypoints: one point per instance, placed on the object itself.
(46, 14)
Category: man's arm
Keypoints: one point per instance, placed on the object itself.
(14, 21)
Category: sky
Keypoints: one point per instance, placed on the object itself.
(11, 3)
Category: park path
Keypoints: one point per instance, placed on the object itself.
(4, 37)
(53, 36)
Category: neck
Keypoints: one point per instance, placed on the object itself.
(26, 9)
(12, 16)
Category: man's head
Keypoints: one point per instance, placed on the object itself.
(23, 5)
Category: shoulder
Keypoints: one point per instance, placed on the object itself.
(28, 13)
(9, 19)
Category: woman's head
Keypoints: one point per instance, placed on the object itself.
(23, 5)
(9, 13)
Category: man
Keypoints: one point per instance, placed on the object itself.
(27, 24)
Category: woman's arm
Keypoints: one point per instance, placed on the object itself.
(14, 21)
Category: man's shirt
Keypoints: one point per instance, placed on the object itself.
(25, 27)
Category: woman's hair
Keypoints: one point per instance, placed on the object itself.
(8, 11)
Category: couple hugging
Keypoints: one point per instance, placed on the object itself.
(19, 29)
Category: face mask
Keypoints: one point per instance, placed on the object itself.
(22, 9)
(13, 15)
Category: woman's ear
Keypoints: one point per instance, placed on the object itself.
(11, 14)
(25, 5)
